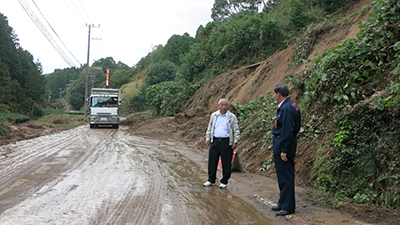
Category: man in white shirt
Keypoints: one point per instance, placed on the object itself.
(223, 135)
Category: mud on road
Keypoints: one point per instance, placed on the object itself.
(107, 176)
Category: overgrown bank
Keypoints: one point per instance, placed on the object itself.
(350, 103)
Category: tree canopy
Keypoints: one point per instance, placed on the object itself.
(161, 72)
(21, 83)
(223, 9)
(176, 46)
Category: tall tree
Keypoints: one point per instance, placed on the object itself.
(161, 72)
(21, 83)
(298, 17)
(120, 77)
(176, 46)
(60, 79)
(223, 9)
(121, 66)
(106, 63)
(77, 93)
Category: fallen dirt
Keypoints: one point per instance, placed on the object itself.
(143, 173)
(24, 131)
(259, 188)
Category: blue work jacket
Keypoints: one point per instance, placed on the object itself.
(287, 126)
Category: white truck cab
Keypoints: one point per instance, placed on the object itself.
(104, 106)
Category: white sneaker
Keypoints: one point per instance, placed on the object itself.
(208, 184)
(223, 185)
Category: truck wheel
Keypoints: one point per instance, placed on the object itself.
(115, 126)
(92, 125)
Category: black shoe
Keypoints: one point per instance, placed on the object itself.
(276, 208)
(284, 213)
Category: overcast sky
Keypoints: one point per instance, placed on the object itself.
(129, 29)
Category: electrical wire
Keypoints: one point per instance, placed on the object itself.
(56, 33)
(80, 9)
(44, 31)
(85, 11)
(90, 21)
(81, 22)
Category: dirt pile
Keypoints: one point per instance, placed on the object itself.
(188, 127)
(250, 82)
(240, 86)
(24, 131)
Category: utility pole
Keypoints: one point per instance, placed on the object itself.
(87, 73)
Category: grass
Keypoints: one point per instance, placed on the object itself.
(58, 120)
(61, 111)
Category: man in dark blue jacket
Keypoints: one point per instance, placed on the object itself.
(287, 126)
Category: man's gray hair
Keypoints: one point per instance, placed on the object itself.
(219, 102)
(282, 89)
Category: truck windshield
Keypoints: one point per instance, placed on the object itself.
(104, 102)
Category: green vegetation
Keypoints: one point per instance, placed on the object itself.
(257, 117)
(58, 120)
(239, 35)
(351, 93)
(168, 98)
(359, 83)
(21, 83)
(11, 118)
(14, 118)
(353, 89)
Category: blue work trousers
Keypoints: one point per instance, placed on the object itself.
(285, 175)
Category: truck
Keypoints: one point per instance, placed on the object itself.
(104, 106)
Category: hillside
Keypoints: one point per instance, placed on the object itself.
(250, 82)
(244, 84)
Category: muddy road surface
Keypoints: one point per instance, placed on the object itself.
(106, 176)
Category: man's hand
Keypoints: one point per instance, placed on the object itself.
(283, 156)
(234, 145)
(207, 143)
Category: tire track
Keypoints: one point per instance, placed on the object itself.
(156, 174)
(37, 159)
(27, 157)
(136, 203)
(113, 178)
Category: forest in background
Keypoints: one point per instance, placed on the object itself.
(351, 89)
(164, 79)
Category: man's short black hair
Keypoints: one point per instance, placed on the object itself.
(282, 89)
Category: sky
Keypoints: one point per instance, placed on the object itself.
(126, 30)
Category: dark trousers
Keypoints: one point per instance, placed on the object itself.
(285, 175)
(220, 147)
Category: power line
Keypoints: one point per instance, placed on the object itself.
(44, 31)
(83, 8)
(79, 12)
(74, 9)
(77, 19)
(56, 33)
(90, 21)
(94, 14)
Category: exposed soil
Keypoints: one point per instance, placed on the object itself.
(241, 86)
(250, 82)
(311, 204)
(24, 131)
(256, 188)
